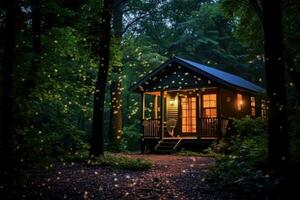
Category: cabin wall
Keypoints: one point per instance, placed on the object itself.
(230, 104)
(227, 107)
(172, 108)
(245, 106)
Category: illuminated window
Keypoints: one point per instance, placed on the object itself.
(252, 104)
(209, 105)
(239, 102)
(188, 110)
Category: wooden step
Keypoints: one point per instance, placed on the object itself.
(168, 145)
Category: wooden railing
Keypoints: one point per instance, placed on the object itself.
(208, 127)
(151, 127)
(211, 127)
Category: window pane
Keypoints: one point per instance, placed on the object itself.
(188, 110)
(213, 104)
(205, 104)
(209, 105)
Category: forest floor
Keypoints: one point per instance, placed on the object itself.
(171, 177)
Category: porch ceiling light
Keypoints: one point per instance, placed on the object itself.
(172, 101)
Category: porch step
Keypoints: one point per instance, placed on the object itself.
(168, 145)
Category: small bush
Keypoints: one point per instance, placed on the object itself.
(121, 162)
(248, 127)
(130, 139)
(244, 168)
(243, 128)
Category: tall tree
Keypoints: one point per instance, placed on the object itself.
(276, 90)
(7, 110)
(115, 125)
(97, 147)
(36, 44)
(290, 64)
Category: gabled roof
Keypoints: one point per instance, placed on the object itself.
(210, 72)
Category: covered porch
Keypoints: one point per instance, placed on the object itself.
(182, 114)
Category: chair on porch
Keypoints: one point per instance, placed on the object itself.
(225, 125)
(170, 126)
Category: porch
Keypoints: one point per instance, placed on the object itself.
(190, 114)
(209, 128)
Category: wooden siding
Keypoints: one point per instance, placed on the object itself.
(229, 103)
(172, 110)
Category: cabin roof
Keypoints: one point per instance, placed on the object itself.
(217, 75)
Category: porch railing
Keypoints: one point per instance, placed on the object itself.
(210, 127)
(213, 127)
(151, 127)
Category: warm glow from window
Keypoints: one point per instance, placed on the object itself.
(252, 104)
(209, 105)
(239, 101)
(188, 110)
(172, 101)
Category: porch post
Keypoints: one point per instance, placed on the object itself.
(162, 113)
(155, 107)
(198, 115)
(219, 116)
(142, 106)
(142, 122)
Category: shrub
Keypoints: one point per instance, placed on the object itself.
(247, 126)
(130, 139)
(243, 169)
(121, 162)
(243, 128)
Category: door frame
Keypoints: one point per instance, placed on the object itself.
(187, 134)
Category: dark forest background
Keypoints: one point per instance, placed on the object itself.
(47, 95)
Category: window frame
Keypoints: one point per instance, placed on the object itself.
(252, 106)
(203, 109)
(189, 127)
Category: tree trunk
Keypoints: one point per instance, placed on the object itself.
(115, 128)
(275, 82)
(8, 163)
(36, 46)
(289, 63)
(97, 146)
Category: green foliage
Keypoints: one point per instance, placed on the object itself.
(248, 28)
(244, 128)
(248, 127)
(54, 119)
(207, 153)
(121, 162)
(244, 170)
(130, 138)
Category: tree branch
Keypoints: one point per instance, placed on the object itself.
(133, 22)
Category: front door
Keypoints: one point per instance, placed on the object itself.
(188, 110)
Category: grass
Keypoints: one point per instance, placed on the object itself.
(194, 153)
(121, 162)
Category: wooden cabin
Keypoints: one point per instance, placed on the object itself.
(191, 102)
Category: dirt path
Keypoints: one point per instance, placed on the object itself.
(172, 177)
